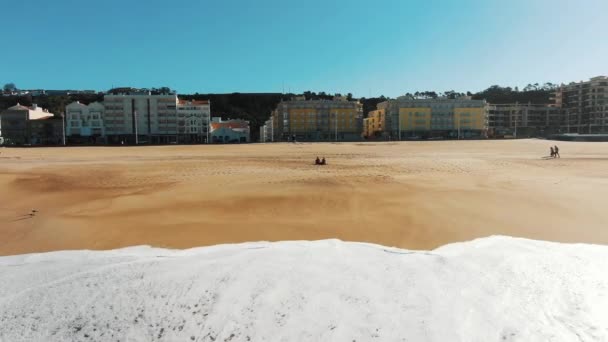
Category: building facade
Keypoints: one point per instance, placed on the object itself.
(47, 130)
(139, 117)
(84, 123)
(266, 131)
(229, 131)
(318, 120)
(374, 124)
(14, 123)
(193, 121)
(406, 118)
(134, 116)
(524, 120)
(585, 105)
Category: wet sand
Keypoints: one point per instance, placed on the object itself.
(416, 195)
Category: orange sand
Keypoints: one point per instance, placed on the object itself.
(409, 194)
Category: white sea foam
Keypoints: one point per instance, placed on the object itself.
(492, 289)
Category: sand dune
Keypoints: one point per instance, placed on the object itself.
(416, 195)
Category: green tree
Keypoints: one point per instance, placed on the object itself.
(10, 87)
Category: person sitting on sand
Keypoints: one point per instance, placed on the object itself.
(556, 152)
(552, 152)
(323, 161)
(317, 161)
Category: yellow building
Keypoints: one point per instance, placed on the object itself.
(366, 128)
(470, 118)
(415, 118)
(318, 120)
(447, 118)
(374, 124)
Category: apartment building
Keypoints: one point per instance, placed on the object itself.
(139, 116)
(15, 126)
(84, 123)
(193, 121)
(374, 124)
(48, 130)
(318, 120)
(585, 105)
(524, 120)
(405, 118)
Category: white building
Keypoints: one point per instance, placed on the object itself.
(193, 120)
(84, 120)
(229, 131)
(158, 118)
(266, 132)
(153, 118)
(139, 116)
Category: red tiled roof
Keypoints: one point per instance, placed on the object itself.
(231, 125)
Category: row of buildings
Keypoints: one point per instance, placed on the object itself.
(343, 120)
(139, 117)
(129, 117)
(576, 108)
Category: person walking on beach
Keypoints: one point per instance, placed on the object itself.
(556, 151)
(323, 161)
(552, 152)
(317, 161)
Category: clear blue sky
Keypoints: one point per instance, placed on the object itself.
(363, 47)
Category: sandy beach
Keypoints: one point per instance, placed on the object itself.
(415, 195)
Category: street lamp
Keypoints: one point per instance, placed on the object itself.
(63, 127)
(336, 124)
(399, 123)
(516, 117)
(136, 124)
(208, 126)
(604, 120)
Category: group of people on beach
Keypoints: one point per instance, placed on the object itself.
(555, 152)
(320, 161)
